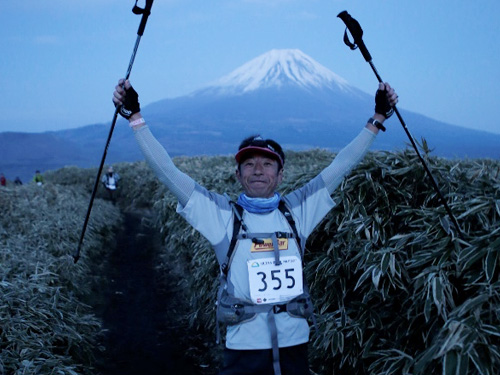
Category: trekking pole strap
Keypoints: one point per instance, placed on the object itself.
(357, 33)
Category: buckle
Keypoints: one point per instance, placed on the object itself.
(224, 268)
(279, 309)
(284, 235)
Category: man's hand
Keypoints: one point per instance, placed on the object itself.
(126, 99)
(385, 99)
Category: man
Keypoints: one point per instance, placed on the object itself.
(110, 182)
(265, 269)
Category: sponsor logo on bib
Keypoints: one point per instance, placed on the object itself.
(267, 245)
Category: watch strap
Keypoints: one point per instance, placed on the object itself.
(376, 123)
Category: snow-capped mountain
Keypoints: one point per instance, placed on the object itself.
(282, 94)
(275, 69)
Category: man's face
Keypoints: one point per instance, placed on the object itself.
(259, 176)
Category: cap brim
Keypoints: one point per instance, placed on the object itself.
(245, 152)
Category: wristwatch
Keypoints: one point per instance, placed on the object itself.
(376, 123)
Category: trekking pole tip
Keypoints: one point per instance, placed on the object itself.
(76, 256)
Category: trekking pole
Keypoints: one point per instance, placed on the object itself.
(357, 33)
(146, 11)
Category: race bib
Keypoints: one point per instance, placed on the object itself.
(111, 183)
(270, 283)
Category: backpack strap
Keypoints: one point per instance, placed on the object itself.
(237, 225)
(288, 215)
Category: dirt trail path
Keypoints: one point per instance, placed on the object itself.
(140, 339)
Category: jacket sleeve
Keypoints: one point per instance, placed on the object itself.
(180, 184)
(347, 159)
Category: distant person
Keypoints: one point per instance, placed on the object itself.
(264, 298)
(110, 182)
(18, 181)
(3, 180)
(38, 178)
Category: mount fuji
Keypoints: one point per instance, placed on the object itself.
(287, 95)
(277, 68)
(282, 94)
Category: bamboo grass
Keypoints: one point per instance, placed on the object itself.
(397, 291)
(45, 327)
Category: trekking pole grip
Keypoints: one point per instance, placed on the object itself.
(357, 33)
(146, 11)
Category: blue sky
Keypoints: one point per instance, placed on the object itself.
(60, 59)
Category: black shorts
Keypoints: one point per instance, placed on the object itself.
(293, 361)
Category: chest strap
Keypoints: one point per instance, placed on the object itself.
(257, 239)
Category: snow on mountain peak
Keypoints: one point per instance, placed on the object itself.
(277, 67)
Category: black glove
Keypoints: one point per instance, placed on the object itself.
(130, 104)
(382, 105)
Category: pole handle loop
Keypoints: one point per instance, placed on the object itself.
(357, 33)
(146, 11)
